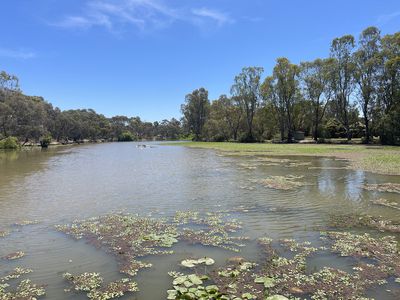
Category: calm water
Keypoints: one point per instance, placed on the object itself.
(60, 185)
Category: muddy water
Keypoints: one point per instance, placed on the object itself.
(60, 185)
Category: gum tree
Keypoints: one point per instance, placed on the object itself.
(314, 78)
(246, 91)
(195, 111)
(367, 62)
(342, 80)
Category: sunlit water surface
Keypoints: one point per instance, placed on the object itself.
(57, 186)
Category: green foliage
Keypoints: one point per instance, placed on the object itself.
(390, 128)
(126, 137)
(195, 112)
(9, 143)
(45, 141)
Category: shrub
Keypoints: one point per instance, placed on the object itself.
(9, 143)
(45, 141)
(126, 137)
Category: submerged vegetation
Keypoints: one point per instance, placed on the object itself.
(92, 283)
(130, 237)
(14, 255)
(384, 202)
(376, 261)
(353, 220)
(282, 272)
(383, 187)
(289, 182)
(379, 159)
(23, 290)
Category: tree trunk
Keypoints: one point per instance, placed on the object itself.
(367, 134)
(316, 123)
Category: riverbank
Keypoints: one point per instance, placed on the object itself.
(370, 158)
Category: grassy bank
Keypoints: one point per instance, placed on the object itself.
(377, 159)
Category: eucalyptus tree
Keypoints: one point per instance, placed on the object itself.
(246, 92)
(391, 71)
(9, 85)
(315, 77)
(367, 62)
(389, 90)
(231, 113)
(281, 90)
(195, 111)
(342, 80)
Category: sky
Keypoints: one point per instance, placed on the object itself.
(141, 57)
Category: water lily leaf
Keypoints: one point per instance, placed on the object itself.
(188, 284)
(206, 260)
(189, 263)
(179, 280)
(248, 296)
(267, 281)
(181, 289)
(195, 279)
(172, 294)
(212, 289)
(200, 293)
(276, 297)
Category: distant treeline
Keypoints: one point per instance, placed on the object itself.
(355, 92)
(32, 119)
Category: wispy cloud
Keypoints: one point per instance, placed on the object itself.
(220, 18)
(386, 18)
(16, 53)
(141, 14)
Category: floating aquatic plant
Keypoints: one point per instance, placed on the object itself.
(18, 272)
(383, 187)
(130, 237)
(192, 287)
(289, 182)
(298, 164)
(92, 283)
(355, 220)
(24, 290)
(126, 236)
(191, 263)
(4, 233)
(292, 280)
(26, 222)
(216, 232)
(247, 166)
(14, 255)
(384, 202)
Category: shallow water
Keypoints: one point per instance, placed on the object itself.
(57, 186)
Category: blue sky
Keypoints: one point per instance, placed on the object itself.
(141, 57)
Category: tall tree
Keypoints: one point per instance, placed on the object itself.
(246, 91)
(342, 82)
(232, 114)
(367, 62)
(195, 111)
(315, 77)
(9, 86)
(281, 89)
(389, 90)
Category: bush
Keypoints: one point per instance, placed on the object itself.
(10, 143)
(126, 137)
(45, 141)
(390, 128)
